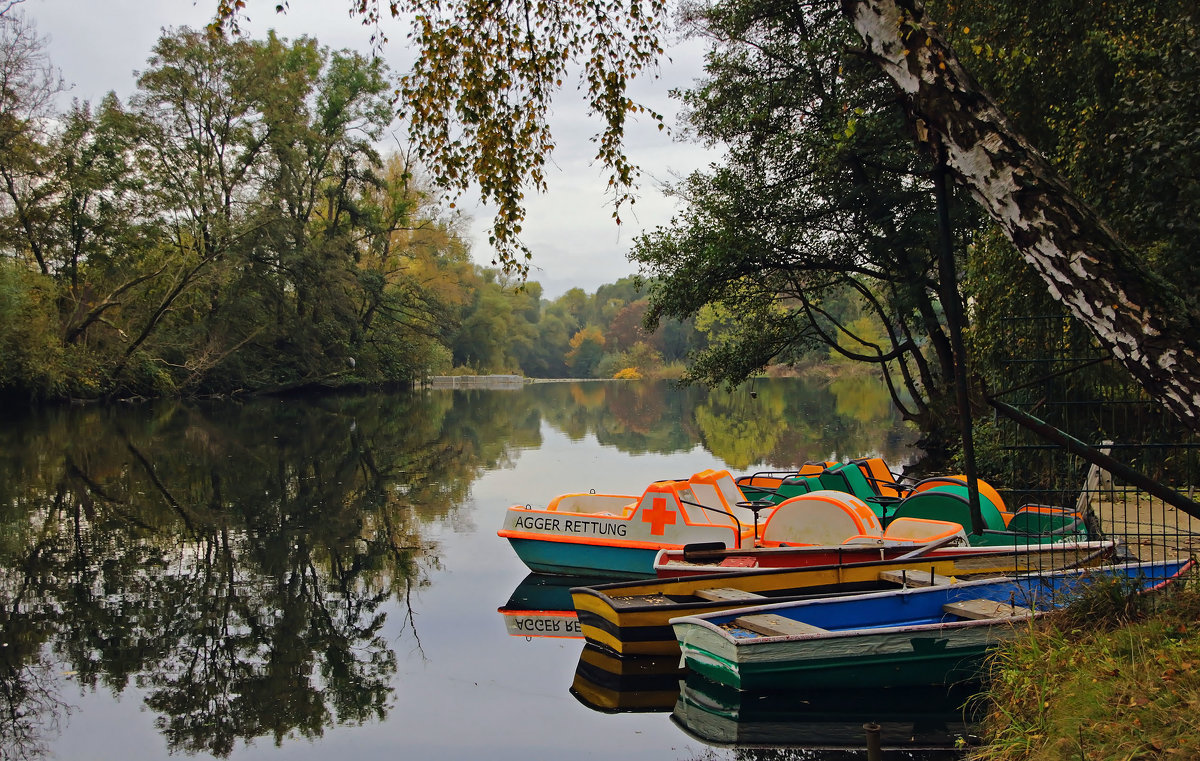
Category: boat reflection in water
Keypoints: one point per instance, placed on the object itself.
(926, 723)
(610, 683)
(541, 606)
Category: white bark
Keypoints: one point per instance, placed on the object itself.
(1148, 326)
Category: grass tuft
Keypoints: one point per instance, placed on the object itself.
(1115, 676)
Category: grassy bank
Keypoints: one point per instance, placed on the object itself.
(1114, 678)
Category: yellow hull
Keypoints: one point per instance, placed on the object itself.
(631, 618)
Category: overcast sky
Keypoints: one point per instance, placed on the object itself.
(99, 44)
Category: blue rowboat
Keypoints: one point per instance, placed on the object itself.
(907, 637)
(631, 617)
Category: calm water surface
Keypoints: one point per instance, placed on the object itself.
(321, 578)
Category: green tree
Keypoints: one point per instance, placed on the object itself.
(413, 271)
(33, 363)
(546, 357)
(1079, 259)
(1078, 80)
(496, 327)
(201, 154)
(232, 228)
(260, 151)
(819, 223)
(574, 305)
(72, 211)
(1150, 326)
(307, 251)
(26, 108)
(587, 349)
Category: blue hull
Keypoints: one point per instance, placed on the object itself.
(573, 559)
(916, 607)
(895, 638)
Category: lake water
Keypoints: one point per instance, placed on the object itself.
(321, 578)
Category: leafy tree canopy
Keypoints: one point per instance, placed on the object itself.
(477, 99)
(818, 227)
(1145, 321)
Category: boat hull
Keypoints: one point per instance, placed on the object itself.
(633, 618)
(675, 563)
(904, 638)
(575, 559)
(907, 657)
(643, 627)
(618, 535)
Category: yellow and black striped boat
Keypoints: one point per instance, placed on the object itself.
(631, 618)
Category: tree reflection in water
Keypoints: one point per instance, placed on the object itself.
(235, 562)
(31, 705)
(231, 559)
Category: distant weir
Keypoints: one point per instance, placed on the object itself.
(477, 381)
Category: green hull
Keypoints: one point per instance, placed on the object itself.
(917, 636)
(929, 664)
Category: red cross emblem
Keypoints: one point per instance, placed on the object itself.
(658, 516)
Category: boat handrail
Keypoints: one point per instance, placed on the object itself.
(720, 510)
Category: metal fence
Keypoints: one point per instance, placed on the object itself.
(1063, 378)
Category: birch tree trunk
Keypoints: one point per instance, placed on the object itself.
(1149, 326)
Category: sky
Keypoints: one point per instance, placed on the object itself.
(98, 45)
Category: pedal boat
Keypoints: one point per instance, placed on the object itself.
(944, 498)
(618, 536)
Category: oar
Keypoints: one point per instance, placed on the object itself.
(918, 552)
(1091, 557)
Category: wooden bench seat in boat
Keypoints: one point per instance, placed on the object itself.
(772, 625)
(915, 578)
(725, 594)
(981, 609)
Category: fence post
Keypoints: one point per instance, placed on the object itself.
(1096, 477)
(874, 744)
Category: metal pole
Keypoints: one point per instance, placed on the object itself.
(952, 306)
(874, 745)
(1092, 455)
